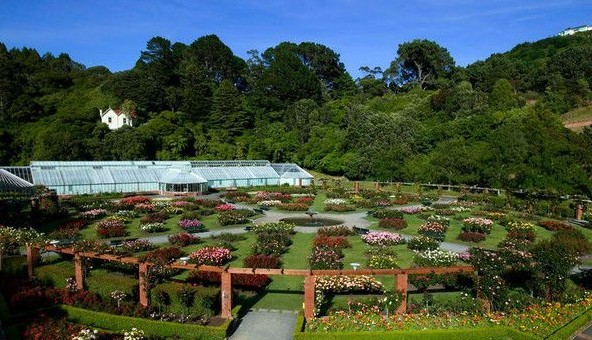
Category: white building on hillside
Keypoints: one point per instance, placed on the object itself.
(116, 118)
(574, 30)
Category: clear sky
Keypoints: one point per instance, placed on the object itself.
(364, 33)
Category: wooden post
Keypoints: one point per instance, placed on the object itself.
(79, 272)
(309, 297)
(300, 182)
(32, 254)
(226, 293)
(357, 187)
(579, 211)
(143, 283)
(401, 286)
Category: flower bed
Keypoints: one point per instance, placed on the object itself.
(325, 258)
(382, 261)
(94, 213)
(472, 236)
(136, 246)
(434, 230)
(339, 230)
(477, 224)
(293, 206)
(145, 207)
(331, 242)
(110, 228)
(392, 223)
(348, 284)
(243, 281)
(213, 256)
(191, 225)
(262, 261)
(335, 201)
(422, 243)
(435, 258)
(555, 225)
(339, 207)
(539, 320)
(224, 207)
(382, 238)
(521, 230)
(183, 239)
(386, 213)
(155, 227)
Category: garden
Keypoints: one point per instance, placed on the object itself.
(521, 249)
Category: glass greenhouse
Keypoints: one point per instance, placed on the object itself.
(68, 178)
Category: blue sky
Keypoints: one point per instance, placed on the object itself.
(364, 33)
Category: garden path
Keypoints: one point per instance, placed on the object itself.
(266, 325)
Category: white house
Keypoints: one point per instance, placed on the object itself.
(574, 30)
(117, 118)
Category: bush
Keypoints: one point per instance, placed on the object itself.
(137, 246)
(183, 239)
(422, 243)
(477, 224)
(154, 227)
(212, 256)
(573, 242)
(392, 223)
(157, 217)
(238, 216)
(111, 228)
(243, 281)
(191, 225)
(340, 230)
(325, 258)
(229, 237)
(555, 225)
(262, 261)
(386, 213)
(339, 207)
(434, 230)
(382, 261)
(472, 236)
(293, 206)
(331, 242)
(382, 238)
(163, 256)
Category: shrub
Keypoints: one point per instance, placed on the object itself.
(382, 261)
(340, 230)
(137, 246)
(73, 224)
(229, 237)
(293, 206)
(94, 213)
(392, 223)
(331, 242)
(573, 242)
(445, 221)
(435, 258)
(191, 225)
(232, 217)
(422, 243)
(262, 261)
(224, 207)
(154, 227)
(243, 281)
(386, 213)
(272, 243)
(477, 224)
(158, 217)
(434, 230)
(212, 256)
(145, 207)
(163, 256)
(325, 258)
(64, 234)
(274, 227)
(348, 284)
(339, 207)
(305, 200)
(555, 225)
(382, 238)
(471, 236)
(110, 228)
(183, 239)
(133, 200)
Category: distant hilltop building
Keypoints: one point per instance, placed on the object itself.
(117, 118)
(572, 31)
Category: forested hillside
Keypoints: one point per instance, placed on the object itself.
(494, 123)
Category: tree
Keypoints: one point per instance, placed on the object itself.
(502, 96)
(421, 62)
(227, 109)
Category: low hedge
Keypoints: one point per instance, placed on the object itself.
(499, 332)
(117, 323)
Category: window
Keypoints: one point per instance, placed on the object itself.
(109, 120)
(124, 121)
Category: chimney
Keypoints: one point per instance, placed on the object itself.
(100, 112)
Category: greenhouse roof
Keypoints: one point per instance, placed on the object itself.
(181, 176)
(239, 172)
(11, 183)
(290, 170)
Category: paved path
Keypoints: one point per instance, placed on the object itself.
(266, 325)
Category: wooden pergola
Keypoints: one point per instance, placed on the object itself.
(401, 275)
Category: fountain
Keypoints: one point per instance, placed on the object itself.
(312, 221)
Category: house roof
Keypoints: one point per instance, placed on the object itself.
(12, 183)
(119, 112)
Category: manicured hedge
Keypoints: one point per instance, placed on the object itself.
(117, 323)
(466, 333)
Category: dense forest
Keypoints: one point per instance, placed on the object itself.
(494, 123)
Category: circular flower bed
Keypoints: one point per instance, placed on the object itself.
(382, 238)
(212, 256)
